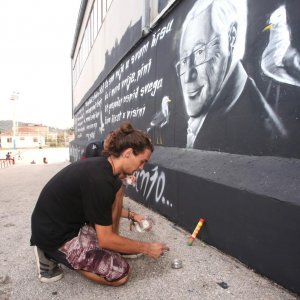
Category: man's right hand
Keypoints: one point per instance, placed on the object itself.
(156, 250)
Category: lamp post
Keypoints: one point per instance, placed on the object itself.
(14, 97)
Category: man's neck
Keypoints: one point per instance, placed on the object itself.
(231, 88)
(194, 126)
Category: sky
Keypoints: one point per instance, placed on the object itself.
(36, 38)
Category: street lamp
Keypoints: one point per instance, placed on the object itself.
(14, 97)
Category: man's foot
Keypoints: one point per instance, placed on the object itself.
(131, 255)
(48, 270)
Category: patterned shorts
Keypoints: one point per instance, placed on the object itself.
(83, 253)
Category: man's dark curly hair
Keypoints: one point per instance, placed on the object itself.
(126, 137)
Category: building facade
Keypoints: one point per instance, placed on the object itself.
(216, 83)
(25, 136)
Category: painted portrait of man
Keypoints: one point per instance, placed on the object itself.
(226, 112)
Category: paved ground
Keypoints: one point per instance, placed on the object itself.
(27, 156)
(206, 272)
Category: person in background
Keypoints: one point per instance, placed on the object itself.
(76, 218)
(93, 149)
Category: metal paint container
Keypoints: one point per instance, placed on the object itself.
(176, 264)
(145, 225)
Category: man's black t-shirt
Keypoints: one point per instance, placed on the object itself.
(82, 192)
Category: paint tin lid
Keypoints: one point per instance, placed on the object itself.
(176, 263)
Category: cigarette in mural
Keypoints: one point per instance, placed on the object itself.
(197, 229)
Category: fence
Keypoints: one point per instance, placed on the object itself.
(6, 162)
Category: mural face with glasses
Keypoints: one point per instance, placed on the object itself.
(204, 57)
(223, 104)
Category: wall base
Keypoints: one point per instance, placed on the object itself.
(251, 205)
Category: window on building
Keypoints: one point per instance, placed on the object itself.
(95, 28)
(157, 7)
(35, 140)
(109, 3)
(9, 140)
(99, 15)
(104, 9)
(91, 25)
(22, 138)
(94, 23)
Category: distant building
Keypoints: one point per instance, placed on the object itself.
(30, 135)
(26, 136)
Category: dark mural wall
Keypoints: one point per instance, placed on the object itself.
(222, 76)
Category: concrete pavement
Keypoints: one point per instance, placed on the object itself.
(206, 274)
(26, 156)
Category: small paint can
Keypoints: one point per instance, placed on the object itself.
(145, 225)
(176, 264)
